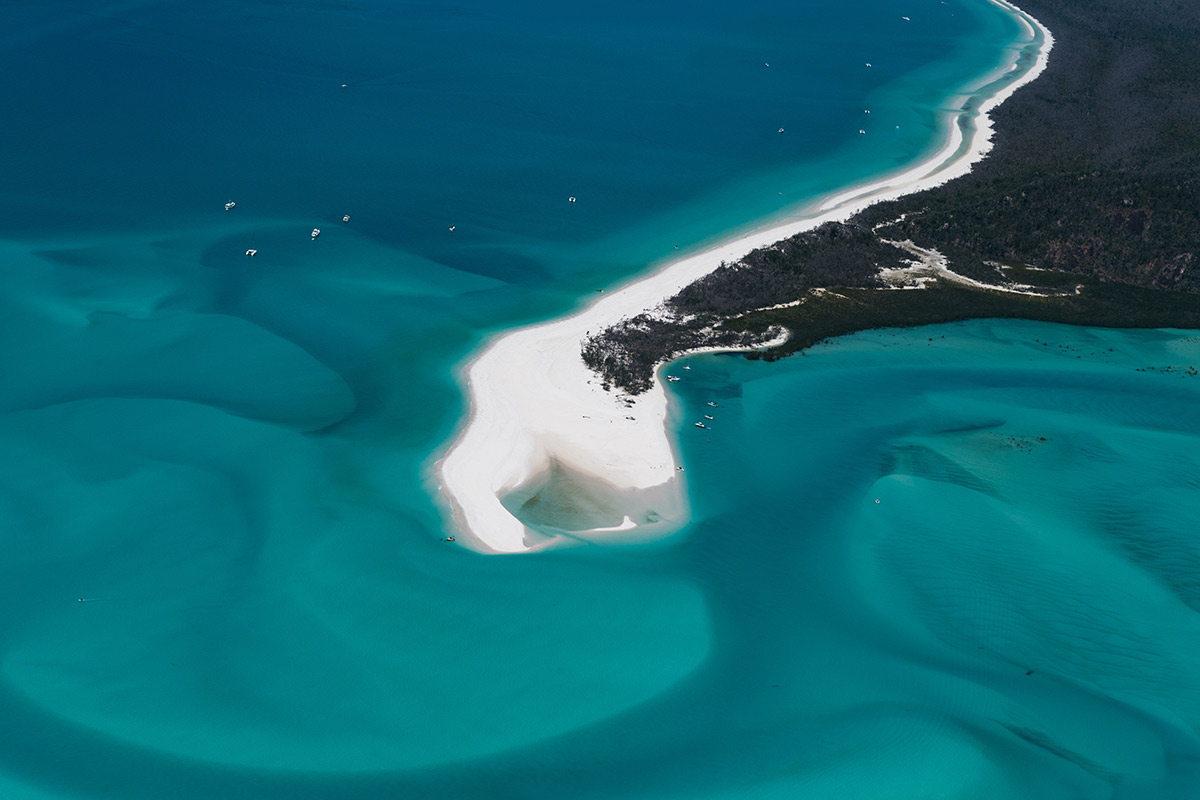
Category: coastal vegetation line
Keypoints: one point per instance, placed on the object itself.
(1087, 212)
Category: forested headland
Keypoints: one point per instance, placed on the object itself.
(1087, 211)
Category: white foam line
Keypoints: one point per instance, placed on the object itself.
(533, 400)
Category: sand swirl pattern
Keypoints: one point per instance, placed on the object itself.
(224, 566)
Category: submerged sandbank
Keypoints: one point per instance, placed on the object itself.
(539, 415)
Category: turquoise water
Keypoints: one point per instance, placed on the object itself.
(226, 458)
(965, 559)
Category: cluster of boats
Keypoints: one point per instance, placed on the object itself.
(315, 231)
(711, 404)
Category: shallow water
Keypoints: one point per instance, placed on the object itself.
(1014, 617)
(225, 458)
(981, 545)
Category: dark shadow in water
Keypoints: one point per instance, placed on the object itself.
(921, 462)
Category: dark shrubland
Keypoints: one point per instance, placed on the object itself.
(834, 254)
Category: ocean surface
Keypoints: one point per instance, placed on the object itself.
(224, 574)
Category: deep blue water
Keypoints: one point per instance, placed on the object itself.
(226, 457)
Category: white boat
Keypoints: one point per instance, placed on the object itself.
(701, 425)
(346, 218)
(672, 378)
(711, 403)
(708, 416)
(252, 252)
(316, 232)
(229, 206)
(571, 199)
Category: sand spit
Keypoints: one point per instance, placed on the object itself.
(544, 441)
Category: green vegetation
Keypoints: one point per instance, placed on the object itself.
(1097, 163)
(1094, 180)
(842, 311)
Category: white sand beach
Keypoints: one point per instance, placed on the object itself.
(538, 413)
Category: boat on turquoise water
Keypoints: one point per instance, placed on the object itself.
(230, 205)
(316, 232)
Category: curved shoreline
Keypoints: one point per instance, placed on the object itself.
(538, 411)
